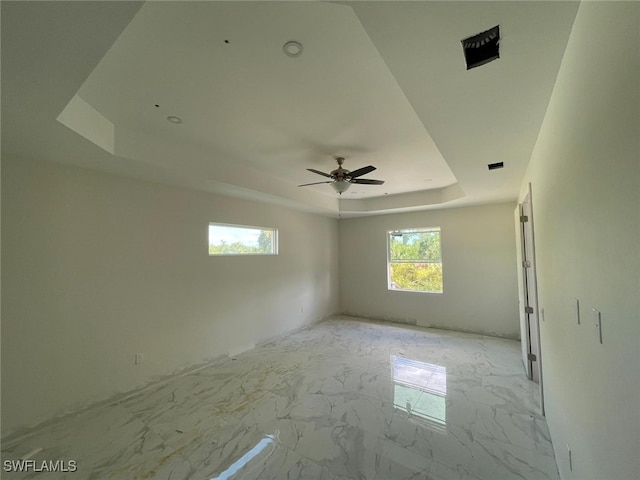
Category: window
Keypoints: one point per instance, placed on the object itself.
(415, 262)
(242, 240)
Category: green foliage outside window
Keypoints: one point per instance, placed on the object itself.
(237, 248)
(241, 240)
(415, 261)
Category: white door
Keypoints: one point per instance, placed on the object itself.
(529, 297)
(531, 294)
(522, 294)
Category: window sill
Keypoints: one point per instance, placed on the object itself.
(414, 291)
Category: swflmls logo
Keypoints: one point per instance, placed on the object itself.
(43, 466)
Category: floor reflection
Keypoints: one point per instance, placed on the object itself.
(261, 452)
(420, 389)
(325, 396)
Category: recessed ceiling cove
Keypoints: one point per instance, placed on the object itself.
(204, 95)
(248, 111)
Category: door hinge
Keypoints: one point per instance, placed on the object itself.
(526, 264)
(532, 357)
(528, 309)
(524, 218)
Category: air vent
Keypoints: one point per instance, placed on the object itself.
(482, 48)
(495, 166)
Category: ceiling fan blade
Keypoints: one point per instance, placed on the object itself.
(367, 181)
(362, 171)
(315, 183)
(319, 172)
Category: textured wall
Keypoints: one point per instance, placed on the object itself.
(479, 271)
(585, 177)
(97, 268)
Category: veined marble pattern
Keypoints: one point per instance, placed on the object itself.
(343, 399)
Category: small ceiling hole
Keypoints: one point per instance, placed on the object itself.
(292, 49)
(482, 48)
(495, 166)
(157, 106)
(227, 42)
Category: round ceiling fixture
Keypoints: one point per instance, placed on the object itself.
(341, 186)
(292, 49)
(174, 119)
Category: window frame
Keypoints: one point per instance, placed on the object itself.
(413, 261)
(247, 227)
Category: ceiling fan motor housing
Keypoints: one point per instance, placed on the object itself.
(340, 174)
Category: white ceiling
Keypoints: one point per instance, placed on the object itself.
(380, 83)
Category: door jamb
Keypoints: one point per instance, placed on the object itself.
(538, 363)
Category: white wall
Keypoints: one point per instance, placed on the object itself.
(97, 267)
(585, 175)
(479, 271)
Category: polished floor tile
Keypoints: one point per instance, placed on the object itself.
(343, 399)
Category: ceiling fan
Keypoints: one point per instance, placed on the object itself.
(341, 179)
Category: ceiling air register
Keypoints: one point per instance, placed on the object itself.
(482, 48)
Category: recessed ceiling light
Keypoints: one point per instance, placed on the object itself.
(292, 49)
(174, 119)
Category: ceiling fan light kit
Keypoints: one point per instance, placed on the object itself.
(341, 178)
(341, 186)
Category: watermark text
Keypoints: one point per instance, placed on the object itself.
(40, 466)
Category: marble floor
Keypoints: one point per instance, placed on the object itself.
(343, 399)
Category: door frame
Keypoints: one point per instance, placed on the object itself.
(525, 339)
(528, 293)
